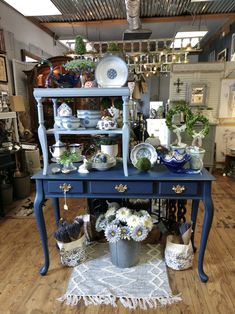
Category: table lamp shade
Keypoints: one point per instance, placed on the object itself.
(17, 103)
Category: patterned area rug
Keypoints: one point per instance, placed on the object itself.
(98, 281)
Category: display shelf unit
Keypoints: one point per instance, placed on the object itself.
(54, 93)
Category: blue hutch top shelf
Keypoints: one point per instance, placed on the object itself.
(55, 93)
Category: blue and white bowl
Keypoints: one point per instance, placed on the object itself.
(70, 123)
(92, 113)
(89, 118)
(89, 122)
(175, 162)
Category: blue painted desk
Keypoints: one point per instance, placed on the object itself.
(156, 184)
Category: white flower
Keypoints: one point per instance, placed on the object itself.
(133, 221)
(123, 213)
(146, 221)
(110, 212)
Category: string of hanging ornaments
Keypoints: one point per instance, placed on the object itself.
(142, 56)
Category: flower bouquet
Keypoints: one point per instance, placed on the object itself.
(125, 224)
(124, 229)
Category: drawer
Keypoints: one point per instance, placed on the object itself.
(120, 187)
(76, 187)
(178, 188)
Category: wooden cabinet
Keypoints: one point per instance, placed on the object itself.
(36, 78)
(208, 143)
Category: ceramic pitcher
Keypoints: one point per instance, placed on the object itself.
(57, 149)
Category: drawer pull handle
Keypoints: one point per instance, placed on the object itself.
(121, 188)
(178, 189)
(65, 187)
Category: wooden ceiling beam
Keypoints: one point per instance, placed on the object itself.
(143, 20)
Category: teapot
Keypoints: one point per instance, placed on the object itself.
(57, 149)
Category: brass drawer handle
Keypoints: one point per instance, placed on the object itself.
(65, 187)
(121, 188)
(178, 189)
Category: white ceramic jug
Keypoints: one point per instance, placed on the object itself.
(57, 149)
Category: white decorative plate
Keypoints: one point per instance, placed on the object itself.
(143, 150)
(111, 71)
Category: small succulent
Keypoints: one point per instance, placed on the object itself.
(68, 157)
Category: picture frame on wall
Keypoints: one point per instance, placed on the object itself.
(222, 55)
(198, 95)
(2, 42)
(3, 70)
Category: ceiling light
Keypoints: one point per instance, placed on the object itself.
(191, 34)
(188, 35)
(34, 7)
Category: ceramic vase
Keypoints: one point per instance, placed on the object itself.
(124, 253)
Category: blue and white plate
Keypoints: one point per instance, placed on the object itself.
(111, 71)
(143, 150)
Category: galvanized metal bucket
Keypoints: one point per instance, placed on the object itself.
(124, 253)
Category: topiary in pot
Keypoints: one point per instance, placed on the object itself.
(178, 107)
(80, 47)
(143, 164)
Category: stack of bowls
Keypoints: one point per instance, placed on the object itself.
(89, 118)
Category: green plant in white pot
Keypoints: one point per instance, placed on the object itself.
(67, 159)
(195, 150)
(109, 145)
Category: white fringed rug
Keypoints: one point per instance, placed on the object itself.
(98, 281)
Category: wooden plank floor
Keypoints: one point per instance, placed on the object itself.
(23, 290)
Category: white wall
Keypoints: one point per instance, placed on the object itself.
(210, 74)
(17, 29)
(20, 33)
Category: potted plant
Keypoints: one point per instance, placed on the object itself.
(81, 66)
(80, 47)
(109, 145)
(67, 159)
(124, 229)
(195, 150)
(179, 107)
(113, 48)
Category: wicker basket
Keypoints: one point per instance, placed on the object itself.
(178, 256)
(72, 253)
